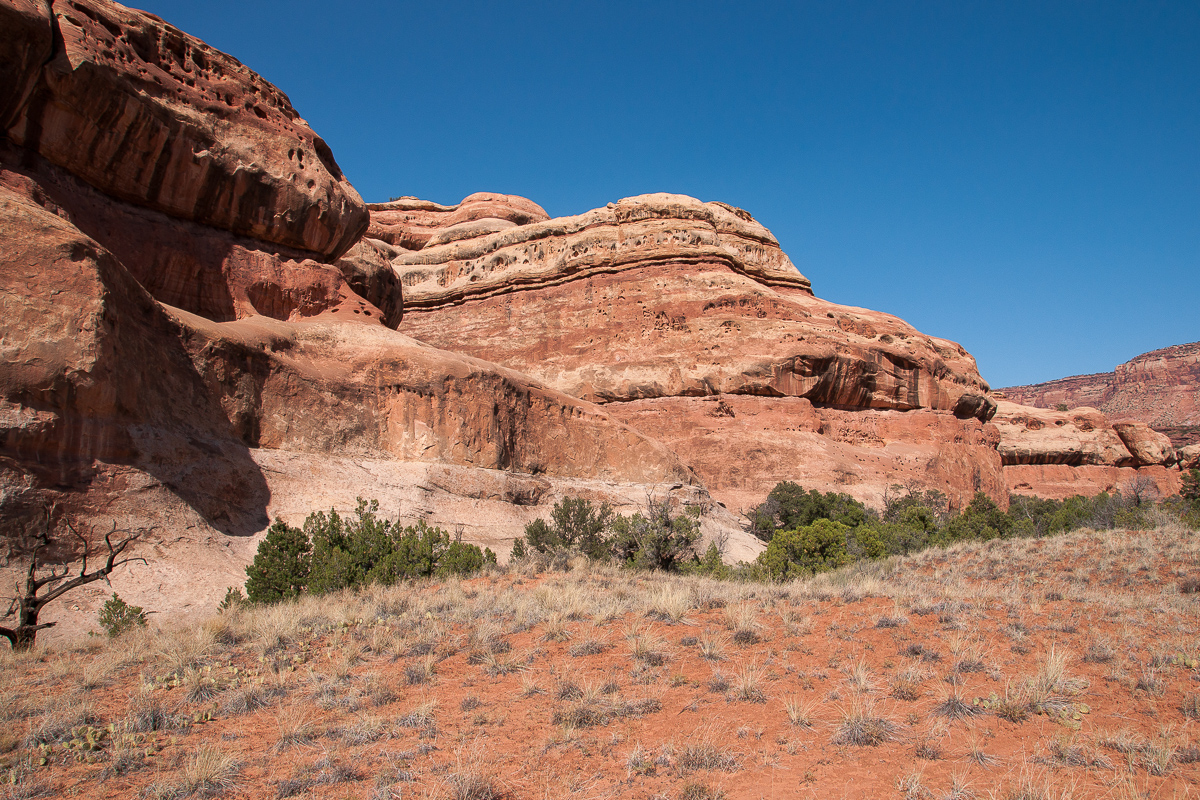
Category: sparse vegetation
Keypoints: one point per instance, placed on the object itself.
(335, 693)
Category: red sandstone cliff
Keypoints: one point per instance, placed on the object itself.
(197, 336)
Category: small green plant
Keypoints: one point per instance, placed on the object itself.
(117, 616)
(1191, 485)
(233, 600)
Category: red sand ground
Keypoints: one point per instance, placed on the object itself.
(523, 706)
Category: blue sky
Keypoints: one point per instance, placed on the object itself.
(1023, 178)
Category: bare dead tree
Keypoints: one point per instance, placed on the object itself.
(27, 604)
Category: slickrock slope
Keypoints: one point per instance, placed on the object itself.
(1160, 388)
(657, 304)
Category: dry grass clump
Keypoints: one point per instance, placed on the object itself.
(861, 726)
(801, 713)
(748, 683)
(742, 619)
(209, 770)
(705, 750)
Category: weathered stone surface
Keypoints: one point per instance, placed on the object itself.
(93, 371)
(367, 268)
(1060, 481)
(1160, 388)
(209, 272)
(661, 296)
(1145, 444)
(412, 224)
(150, 115)
(1082, 436)
(335, 388)
(1189, 456)
(26, 42)
(741, 446)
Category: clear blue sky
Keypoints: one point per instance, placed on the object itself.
(1022, 177)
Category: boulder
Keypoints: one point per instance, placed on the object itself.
(1146, 445)
(152, 116)
(1189, 456)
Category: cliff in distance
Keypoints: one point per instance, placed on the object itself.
(1160, 388)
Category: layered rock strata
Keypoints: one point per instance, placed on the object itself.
(661, 296)
(658, 305)
(154, 117)
(1160, 388)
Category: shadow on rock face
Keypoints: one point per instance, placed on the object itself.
(96, 374)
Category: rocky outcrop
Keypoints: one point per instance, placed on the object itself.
(154, 117)
(1059, 481)
(208, 272)
(1075, 438)
(412, 224)
(739, 444)
(95, 373)
(1160, 388)
(658, 305)
(665, 296)
(1144, 444)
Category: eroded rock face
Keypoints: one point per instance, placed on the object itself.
(411, 224)
(152, 116)
(661, 296)
(94, 372)
(1060, 481)
(1160, 388)
(740, 444)
(208, 272)
(1082, 436)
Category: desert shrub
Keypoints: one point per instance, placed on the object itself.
(281, 566)
(789, 506)
(819, 547)
(982, 520)
(232, 601)
(574, 522)
(333, 552)
(1191, 485)
(463, 559)
(117, 616)
(658, 540)
(710, 564)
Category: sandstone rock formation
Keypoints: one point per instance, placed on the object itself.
(197, 337)
(191, 334)
(1075, 438)
(1160, 388)
(411, 224)
(657, 305)
(152, 116)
